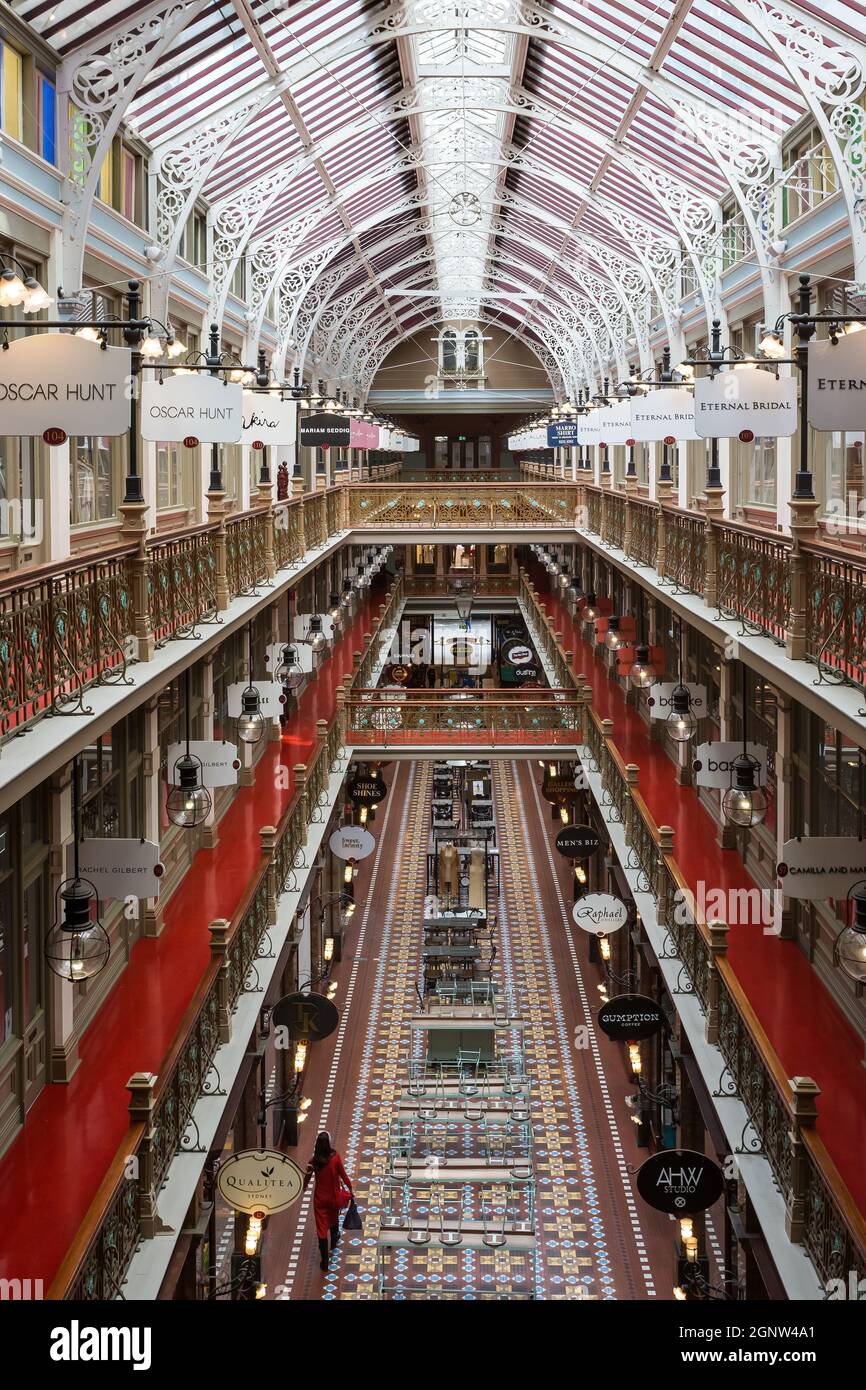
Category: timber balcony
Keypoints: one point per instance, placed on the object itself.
(66, 628)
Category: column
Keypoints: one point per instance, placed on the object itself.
(152, 911)
(64, 1059)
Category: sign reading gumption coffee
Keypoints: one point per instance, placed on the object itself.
(267, 419)
(203, 407)
(662, 415)
(630, 1018)
(57, 381)
(827, 866)
(600, 913)
(747, 398)
(837, 383)
(260, 1180)
(680, 1182)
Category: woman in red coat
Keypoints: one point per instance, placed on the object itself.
(332, 1192)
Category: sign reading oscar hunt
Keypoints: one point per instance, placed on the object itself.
(600, 913)
(352, 842)
(748, 398)
(680, 1182)
(55, 381)
(827, 866)
(630, 1018)
(260, 1181)
(120, 868)
(837, 383)
(220, 763)
(201, 407)
(267, 419)
(577, 841)
(713, 764)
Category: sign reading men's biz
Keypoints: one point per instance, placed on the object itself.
(53, 381)
(203, 407)
(746, 399)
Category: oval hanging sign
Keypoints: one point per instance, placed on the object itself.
(260, 1181)
(190, 441)
(400, 674)
(746, 436)
(517, 653)
(306, 1017)
(600, 913)
(352, 842)
(680, 1181)
(670, 439)
(630, 1018)
(54, 436)
(577, 841)
(631, 443)
(367, 791)
(258, 444)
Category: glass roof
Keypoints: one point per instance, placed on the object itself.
(524, 146)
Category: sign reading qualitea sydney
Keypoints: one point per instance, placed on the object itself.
(57, 381)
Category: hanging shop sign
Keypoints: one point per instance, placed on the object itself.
(367, 789)
(517, 652)
(578, 841)
(680, 1182)
(610, 425)
(630, 1018)
(324, 430)
(120, 868)
(747, 398)
(827, 866)
(713, 764)
(600, 913)
(562, 434)
(55, 381)
(399, 675)
(352, 842)
(220, 763)
(659, 698)
(272, 697)
(363, 434)
(201, 407)
(306, 1017)
(558, 787)
(837, 383)
(260, 1181)
(663, 415)
(267, 419)
(303, 654)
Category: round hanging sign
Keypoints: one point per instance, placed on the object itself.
(630, 1018)
(307, 1017)
(577, 841)
(746, 436)
(352, 842)
(517, 653)
(600, 913)
(670, 439)
(190, 441)
(631, 443)
(54, 436)
(680, 1181)
(258, 444)
(400, 674)
(367, 791)
(260, 1181)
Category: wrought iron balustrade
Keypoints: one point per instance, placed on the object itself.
(503, 506)
(754, 579)
(181, 583)
(386, 718)
(245, 552)
(643, 534)
(836, 616)
(685, 550)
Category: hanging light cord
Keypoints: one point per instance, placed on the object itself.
(188, 695)
(76, 819)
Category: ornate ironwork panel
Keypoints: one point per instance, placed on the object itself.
(836, 618)
(754, 583)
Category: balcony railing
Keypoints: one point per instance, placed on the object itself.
(459, 505)
(420, 718)
(436, 586)
(822, 1214)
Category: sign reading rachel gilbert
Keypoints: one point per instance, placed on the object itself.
(57, 381)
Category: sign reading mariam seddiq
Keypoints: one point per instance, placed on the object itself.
(747, 398)
(57, 381)
(201, 407)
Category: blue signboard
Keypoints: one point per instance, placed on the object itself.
(563, 433)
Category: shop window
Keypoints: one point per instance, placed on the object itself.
(25, 912)
(46, 109)
(94, 481)
(127, 184)
(174, 466)
(845, 490)
(21, 509)
(12, 92)
(425, 559)
(759, 473)
(498, 558)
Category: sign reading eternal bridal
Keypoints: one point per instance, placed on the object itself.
(837, 383)
(663, 413)
(746, 399)
(260, 1180)
(57, 381)
(204, 406)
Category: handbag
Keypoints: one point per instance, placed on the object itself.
(352, 1220)
(344, 1197)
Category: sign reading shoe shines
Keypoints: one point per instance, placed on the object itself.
(207, 408)
(55, 381)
